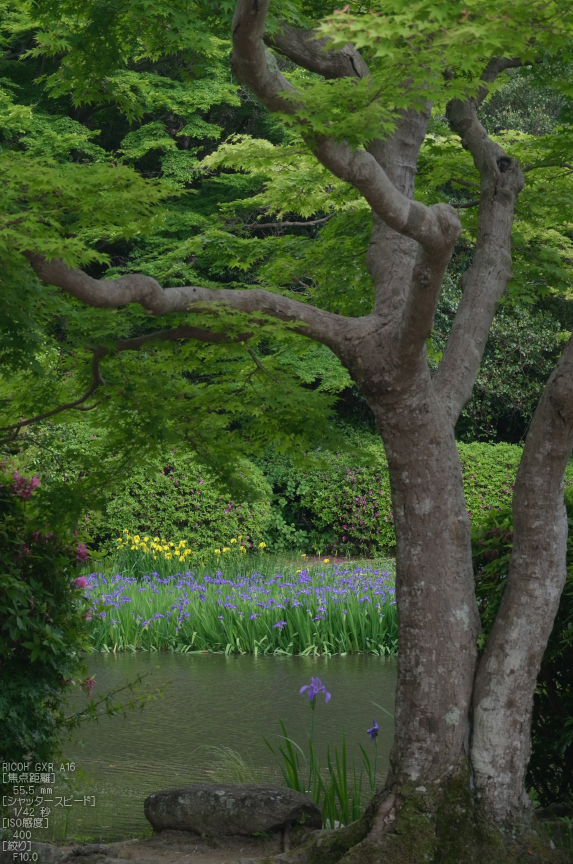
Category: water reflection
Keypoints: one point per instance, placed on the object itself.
(216, 700)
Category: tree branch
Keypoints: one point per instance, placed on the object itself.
(536, 165)
(260, 366)
(485, 282)
(97, 381)
(509, 665)
(469, 183)
(183, 332)
(314, 323)
(420, 305)
(257, 225)
(434, 227)
(304, 49)
(134, 344)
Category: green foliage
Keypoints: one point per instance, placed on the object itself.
(488, 473)
(410, 47)
(110, 175)
(550, 771)
(135, 30)
(346, 507)
(528, 114)
(523, 104)
(60, 192)
(180, 500)
(43, 630)
(523, 346)
(341, 803)
(314, 611)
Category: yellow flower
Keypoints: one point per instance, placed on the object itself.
(226, 549)
(177, 552)
(240, 536)
(262, 545)
(125, 531)
(165, 547)
(182, 543)
(326, 561)
(145, 539)
(134, 547)
(217, 551)
(243, 548)
(299, 571)
(156, 539)
(304, 554)
(137, 538)
(119, 539)
(233, 540)
(168, 555)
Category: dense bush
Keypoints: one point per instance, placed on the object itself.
(336, 509)
(42, 627)
(348, 510)
(176, 498)
(523, 347)
(550, 772)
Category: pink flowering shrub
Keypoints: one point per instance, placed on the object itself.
(22, 487)
(43, 633)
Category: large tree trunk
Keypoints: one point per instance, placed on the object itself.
(437, 612)
(507, 674)
(457, 767)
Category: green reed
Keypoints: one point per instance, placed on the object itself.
(322, 610)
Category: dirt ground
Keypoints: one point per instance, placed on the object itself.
(167, 847)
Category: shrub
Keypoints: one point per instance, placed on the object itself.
(42, 627)
(347, 509)
(337, 509)
(177, 498)
(550, 771)
(489, 472)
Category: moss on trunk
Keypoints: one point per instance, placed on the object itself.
(435, 825)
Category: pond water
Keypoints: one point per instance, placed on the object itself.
(214, 700)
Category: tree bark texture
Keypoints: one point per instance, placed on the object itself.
(457, 721)
(508, 669)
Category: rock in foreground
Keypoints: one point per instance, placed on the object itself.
(218, 810)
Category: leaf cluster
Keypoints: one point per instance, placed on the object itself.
(42, 628)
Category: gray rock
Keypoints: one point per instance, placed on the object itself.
(218, 810)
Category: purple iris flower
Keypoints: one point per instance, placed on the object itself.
(314, 689)
(374, 731)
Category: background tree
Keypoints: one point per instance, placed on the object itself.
(365, 118)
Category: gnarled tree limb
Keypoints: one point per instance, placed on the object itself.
(304, 49)
(435, 227)
(485, 282)
(315, 323)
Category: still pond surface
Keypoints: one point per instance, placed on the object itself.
(214, 700)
